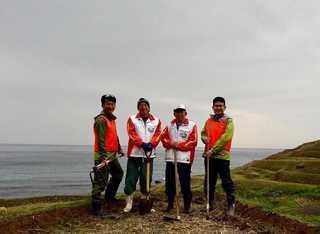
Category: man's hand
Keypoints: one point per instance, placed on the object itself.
(174, 144)
(205, 141)
(150, 147)
(103, 163)
(147, 147)
(208, 153)
(144, 146)
(121, 153)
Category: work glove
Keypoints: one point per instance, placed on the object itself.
(144, 146)
(147, 147)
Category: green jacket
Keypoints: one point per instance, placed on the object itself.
(101, 129)
(218, 148)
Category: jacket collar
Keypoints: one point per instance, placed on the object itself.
(219, 118)
(151, 117)
(185, 122)
(108, 116)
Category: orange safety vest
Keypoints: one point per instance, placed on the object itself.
(215, 129)
(111, 141)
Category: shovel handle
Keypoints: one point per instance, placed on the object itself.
(148, 178)
(148, 156)
(176, 176)
(101, 165)
(208, 186)
(105, 162)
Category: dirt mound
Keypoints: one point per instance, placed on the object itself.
(37, 223)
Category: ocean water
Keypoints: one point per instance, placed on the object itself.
(37, 170)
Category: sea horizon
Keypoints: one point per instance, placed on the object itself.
(50, 169)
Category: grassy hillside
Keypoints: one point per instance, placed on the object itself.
(286, 183)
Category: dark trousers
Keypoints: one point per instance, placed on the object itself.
(221, 167)
(184, 171)
(101, 182)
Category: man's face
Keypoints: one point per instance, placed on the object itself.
(144, 110)
(218, 108)
(180, 115)
(109, 106)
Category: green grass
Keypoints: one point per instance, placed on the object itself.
(44, 199)
(299, 165)
(305, 151)
(39, 205)
(287, 183)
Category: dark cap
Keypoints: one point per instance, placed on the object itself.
(143, 100)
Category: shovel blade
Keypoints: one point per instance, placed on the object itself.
(145, 206)
(171, 218)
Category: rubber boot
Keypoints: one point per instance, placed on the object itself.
(129, 202)
(231, 209)
(97, 209)
(231, 204)
(212, 205)
(111, 200)
(187, 206)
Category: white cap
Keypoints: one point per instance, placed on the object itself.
(180, 107)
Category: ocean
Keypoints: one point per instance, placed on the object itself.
(38, 170)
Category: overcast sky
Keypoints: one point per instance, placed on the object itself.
(58, 57)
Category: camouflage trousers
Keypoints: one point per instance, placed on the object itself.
(102, 182)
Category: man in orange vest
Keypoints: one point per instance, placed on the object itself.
(106, 147)
(217, 136)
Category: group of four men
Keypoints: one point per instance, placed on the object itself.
(179, 137)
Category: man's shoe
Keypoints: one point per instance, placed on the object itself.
(112, 200)
(212, 206)
(129, 202)
(169, 208)
(187, 209)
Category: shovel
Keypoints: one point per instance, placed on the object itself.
(146, 203)
(208, 195)
(176, 177)
(103, 164)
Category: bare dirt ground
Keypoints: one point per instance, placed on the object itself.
(79, 220)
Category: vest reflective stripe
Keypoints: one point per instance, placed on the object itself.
(214, 130)
(179, 135)
(111, 140)
(145, 130)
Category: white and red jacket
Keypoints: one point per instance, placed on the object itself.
(187, 138)
(140, 131)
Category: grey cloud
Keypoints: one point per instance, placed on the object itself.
(58, 57)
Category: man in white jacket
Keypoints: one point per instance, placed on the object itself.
(144, 131)
(179, 136)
